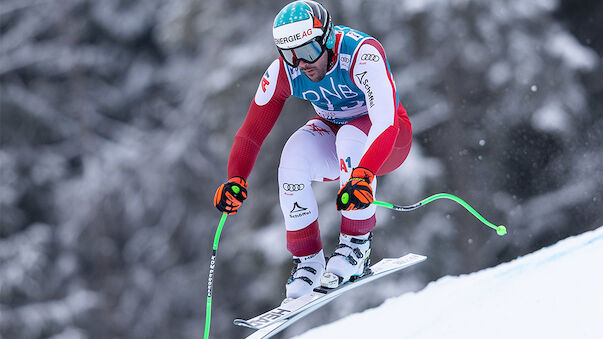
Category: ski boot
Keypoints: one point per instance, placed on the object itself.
(349, 261)
(305, 276)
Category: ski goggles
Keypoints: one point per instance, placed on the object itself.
(308, 52)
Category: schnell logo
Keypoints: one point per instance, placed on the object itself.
(297, 208)
(367, 87)
(298, 211)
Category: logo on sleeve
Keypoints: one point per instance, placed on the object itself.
(367, 87)
(265, 81)
(369, 57)
(267, 84)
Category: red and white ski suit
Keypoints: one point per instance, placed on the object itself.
(323, 151)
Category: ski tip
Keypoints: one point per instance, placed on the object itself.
(417, 256)
(244, 323)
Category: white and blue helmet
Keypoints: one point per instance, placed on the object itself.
(303, 30)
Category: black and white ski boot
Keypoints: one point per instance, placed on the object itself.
(349, 261)
(305, 276)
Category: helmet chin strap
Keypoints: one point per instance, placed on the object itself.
(331, 55)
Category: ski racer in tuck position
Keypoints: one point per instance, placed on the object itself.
(360, 131)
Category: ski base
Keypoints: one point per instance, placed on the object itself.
(283, 316)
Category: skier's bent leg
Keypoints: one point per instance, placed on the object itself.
(351, 257)
(350, 146)
(309, 155)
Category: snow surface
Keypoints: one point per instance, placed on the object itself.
(556, 292)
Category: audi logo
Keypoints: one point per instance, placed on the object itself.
(369, 57)
(293, 187)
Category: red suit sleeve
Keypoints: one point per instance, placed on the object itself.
(272, 92)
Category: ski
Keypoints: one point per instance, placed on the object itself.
(279, 326)
(283, 316)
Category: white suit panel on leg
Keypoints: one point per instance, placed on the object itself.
(309, 155)
(297, 200)
(350, 149)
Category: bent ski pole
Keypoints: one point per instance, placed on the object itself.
(500, 230)
(210, 281)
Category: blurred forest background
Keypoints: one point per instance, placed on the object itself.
(117, 118)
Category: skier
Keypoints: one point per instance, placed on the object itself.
(360, 131)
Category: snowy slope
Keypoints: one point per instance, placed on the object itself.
(556, 292)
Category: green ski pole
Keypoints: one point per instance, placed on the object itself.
(500, 230)
(210, 281)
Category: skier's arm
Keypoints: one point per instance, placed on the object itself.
(371, 74)
(272, 92)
